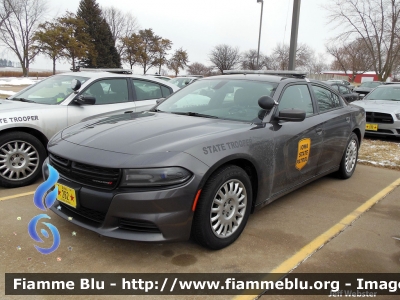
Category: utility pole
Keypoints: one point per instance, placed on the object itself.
(294, 34)
(259, 32)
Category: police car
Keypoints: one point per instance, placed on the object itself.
(31, 117)
(201, 161)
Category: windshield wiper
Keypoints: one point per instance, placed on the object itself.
(194, 114)
(22, 100)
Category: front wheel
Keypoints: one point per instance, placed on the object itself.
(223, 208)
(349, 159)
(21, 158)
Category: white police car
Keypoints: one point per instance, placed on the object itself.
(31, 117)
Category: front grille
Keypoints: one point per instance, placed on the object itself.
(138, 225)
(385, 131)
(104, 178)
(87, 213)
(375, 117)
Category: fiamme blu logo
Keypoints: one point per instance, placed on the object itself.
(43, 199)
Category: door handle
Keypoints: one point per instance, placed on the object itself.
(318, 130)
(128, 112)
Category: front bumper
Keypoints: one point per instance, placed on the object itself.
(386, 129)
(132, 214)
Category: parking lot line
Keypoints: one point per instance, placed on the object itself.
(294, 261)
(17, 196)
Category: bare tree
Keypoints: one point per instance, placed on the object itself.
(249, 60)
(18, 29)
(376, 23)
(199, 69)
(4, 11)
(280, 55)
(317, 64)
(352, 57)
(122, 24)
(225, 57)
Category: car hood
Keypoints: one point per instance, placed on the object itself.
(11, 105)
(363, 89)
(149, 132)
(384, 106)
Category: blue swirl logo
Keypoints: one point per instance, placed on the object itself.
(43, 203)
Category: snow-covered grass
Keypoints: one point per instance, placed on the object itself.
(8, 93)
(380, 153)
(18, 81)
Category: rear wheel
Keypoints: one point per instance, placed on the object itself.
(349, 159)
(21, 158)
(223, 208)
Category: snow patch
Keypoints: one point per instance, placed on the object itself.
(18, 81)
(9, 93)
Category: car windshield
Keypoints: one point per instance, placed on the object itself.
(385, 93)
(225, 99)
(52, 90)
(180, 82)
(370, 84)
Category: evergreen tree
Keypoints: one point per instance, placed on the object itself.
(106, 55)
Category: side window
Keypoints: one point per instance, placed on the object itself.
(344, 90)
(297, 96)
(146, 90)
(335, 87)
(108, 91)
(326, 99)
(165, 91)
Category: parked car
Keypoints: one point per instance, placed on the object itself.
(366, 87)
(183, 81)
(343, 90)
(382, 107)
(31, 117)
(344, 82)
(199, 168)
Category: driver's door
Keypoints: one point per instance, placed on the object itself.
(111, 94)
(298, 145)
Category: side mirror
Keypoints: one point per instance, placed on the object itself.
(292, 114)
(75, 84)
(266, 102)
(85, 100)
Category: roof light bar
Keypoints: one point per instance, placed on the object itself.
(116, 71)
(283, 73)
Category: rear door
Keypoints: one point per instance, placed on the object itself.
(336, 126)
(147, 92)
(298, 145)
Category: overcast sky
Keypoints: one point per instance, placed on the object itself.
(199, 25)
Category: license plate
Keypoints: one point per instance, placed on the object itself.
(362, 95)
(66, 195)
(373, 127)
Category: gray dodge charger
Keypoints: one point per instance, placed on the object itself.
(198, 163)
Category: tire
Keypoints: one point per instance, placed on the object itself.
(349, 159)
(21, 159)
(223, 208)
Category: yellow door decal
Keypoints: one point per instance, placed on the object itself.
(303, 152)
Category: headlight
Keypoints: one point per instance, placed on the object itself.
(154, 177)
(398, 116)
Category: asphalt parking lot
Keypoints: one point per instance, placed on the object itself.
(277, 238)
